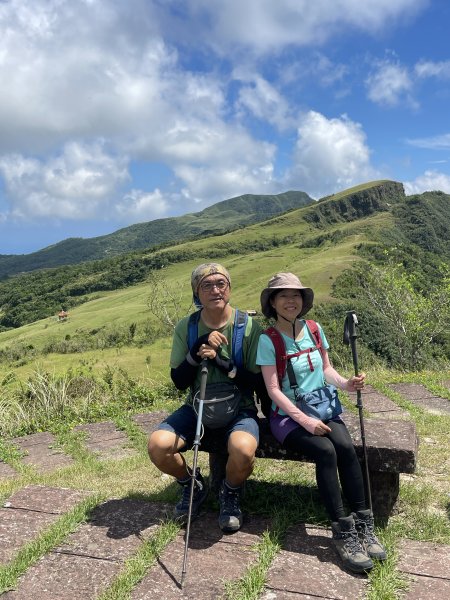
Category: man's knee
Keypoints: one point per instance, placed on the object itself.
(242, 447)
(162, 444)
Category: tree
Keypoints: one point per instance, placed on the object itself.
(166, 300)
(416, 317)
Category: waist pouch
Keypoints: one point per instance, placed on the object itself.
(220, 406)
(323, 404)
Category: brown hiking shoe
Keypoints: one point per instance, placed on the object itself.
(365, 527)
(348, 546)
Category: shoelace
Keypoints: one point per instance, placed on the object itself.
(230, 500)
(352, 543)
(187, 492)
(368, 531)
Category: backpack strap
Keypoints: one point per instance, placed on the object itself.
(283, 359)
(280, 351)
(237, 344)
(314, 331)
(193, 328)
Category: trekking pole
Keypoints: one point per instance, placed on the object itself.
(203, 378)
(350, 335)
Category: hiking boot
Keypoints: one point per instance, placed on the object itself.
(230, 516)
(365, 527)
(181, 511)
(348, 546)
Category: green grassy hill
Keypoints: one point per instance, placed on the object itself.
(317, 242)
(223, 216)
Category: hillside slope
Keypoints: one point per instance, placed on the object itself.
(223, 216)
(369, 218)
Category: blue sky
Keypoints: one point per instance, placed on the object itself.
(114, 113)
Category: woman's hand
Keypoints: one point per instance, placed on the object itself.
(357, 382)
(321, 429)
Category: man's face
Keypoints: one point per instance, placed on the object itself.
(214, 291)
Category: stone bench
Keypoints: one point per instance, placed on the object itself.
(392, 447)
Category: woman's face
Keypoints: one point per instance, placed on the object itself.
(288, 303)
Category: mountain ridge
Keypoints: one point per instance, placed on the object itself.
(220, 217)
(358, 225)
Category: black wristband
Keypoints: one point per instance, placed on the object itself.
(203, 339)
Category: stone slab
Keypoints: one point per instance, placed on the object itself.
(213, 558)
(424, 558)
(148, 422)
(115, 529)
(28, 512)
(105, 440)
(391, 445)
(64, 577)
(428, 566)
(308, 567)
(87, 562)
(19, 527)
(418, 394)
(378, 404)
(41, 498)
(6, 471)
(40, 452)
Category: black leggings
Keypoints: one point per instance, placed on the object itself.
(332, 453)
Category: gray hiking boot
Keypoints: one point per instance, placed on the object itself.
(230, 516)
(365, 527)
(181, 511)
(348, 546)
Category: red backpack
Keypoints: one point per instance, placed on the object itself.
(280, 348)
(282, 358)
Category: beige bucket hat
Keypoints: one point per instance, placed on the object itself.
(285, 281)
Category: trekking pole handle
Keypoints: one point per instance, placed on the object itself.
(352, 323)
(350, 335)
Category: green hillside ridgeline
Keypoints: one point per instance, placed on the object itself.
(117, 305)
(221, 217)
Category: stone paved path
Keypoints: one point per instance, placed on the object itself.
(105, 440)
(28, 512)
(40, 452)
(379, 405)
(418, 394)
(92, 556)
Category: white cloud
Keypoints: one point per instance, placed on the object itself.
(78, 184)
(428, 68)
(437, 142)
(429, 181)
(138, 205)
(390, 84)
(331, 155)
(104, 71)
(265, 25)
(225, 182)
(74, 73)
(261, 99)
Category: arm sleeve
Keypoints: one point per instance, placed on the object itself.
(332, 376)
(184, 375)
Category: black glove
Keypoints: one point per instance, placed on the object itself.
(192, 357)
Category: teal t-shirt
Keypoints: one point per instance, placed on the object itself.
(307, 380)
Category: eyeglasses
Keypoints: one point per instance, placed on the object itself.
(221, 285)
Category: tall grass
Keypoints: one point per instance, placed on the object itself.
(50, 401)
